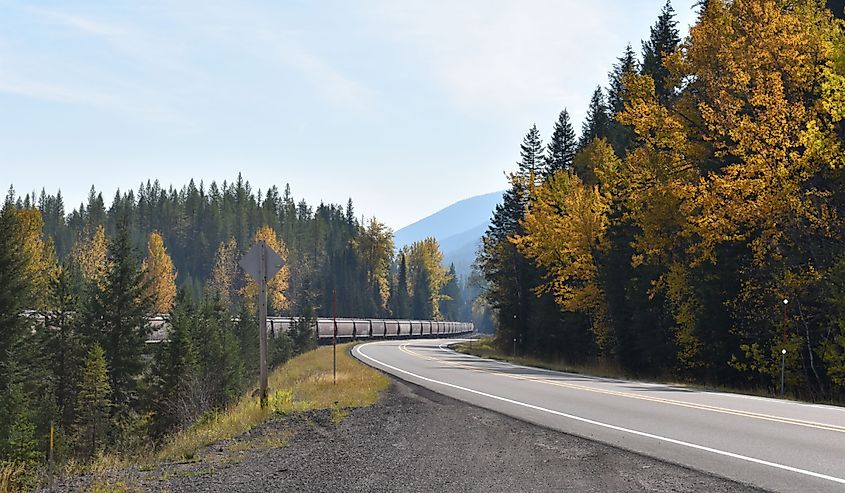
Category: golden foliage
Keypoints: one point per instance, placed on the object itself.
(426, 254)
(276, 286)
(224, 272)
(564, 228)
(374, 245)
(90, 256)
(159, 274)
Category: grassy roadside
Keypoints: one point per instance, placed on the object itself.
(301, 385)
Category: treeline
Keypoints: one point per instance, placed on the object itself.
(77, 292)
(206, 228)
(705, 189)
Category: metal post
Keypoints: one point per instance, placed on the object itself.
(334, 338)
(514, 346)
(262, 324)
(50, 460)
(783, 348)
(782, 367)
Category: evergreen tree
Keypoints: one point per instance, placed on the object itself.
(562, 147)
(94, 400)
(597, 123)
(402, 309)
(451, 303)
(620, 136)
(115, 316)
(421, 308)
(663, 41)
(533, 159)
(176, 364)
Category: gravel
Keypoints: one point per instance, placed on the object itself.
(414, 440)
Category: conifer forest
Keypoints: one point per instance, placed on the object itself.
(692, 230)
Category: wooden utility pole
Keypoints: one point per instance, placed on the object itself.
(262, 263)
(334, 338)
(262, 324)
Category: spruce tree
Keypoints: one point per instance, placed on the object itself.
(451, 304)
(532, 155)
(562, 147)
(421, 308)
(94, 400)
(597, 123)
(663, 41)
(620, 136)
(116, 317)
(402, 309)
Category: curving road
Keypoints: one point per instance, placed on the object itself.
(776, 445)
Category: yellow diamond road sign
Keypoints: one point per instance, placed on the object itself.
(251, 263)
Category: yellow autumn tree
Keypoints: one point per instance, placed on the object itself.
(90, 256)
(159, 274)
(40, 267)
(425, 254)
(564, 229)
(278, 285)
(374, 246)
(771, 96)
(224, 273)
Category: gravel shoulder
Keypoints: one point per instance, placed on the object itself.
(413, 440)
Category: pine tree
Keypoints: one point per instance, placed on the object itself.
(115, 316)
(663, 41)
(402, 309)
(94, 400)
(451, 302)
(562, 147)
(620, 136)
(597, 123)
(421, 308)
(625, 65)
(533, 159)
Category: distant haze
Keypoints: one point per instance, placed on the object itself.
(458, 228)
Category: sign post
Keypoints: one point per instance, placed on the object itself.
(262, 263)
(334, 338)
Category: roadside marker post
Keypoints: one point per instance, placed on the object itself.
(334, 337)
(261, 262)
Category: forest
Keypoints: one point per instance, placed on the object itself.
(695, 228)
(77, 290)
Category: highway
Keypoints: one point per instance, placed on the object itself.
(773, 444)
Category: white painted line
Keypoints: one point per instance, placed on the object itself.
(769, 400)
(357, 349)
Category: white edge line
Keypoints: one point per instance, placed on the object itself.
(805, 472)
(445, 347)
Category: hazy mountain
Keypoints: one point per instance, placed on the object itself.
(458, 229)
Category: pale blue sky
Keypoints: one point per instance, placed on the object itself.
(404, 106)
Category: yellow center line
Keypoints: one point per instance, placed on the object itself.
(704, 407)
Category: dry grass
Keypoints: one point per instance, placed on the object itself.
(302, 384)
(14, 476)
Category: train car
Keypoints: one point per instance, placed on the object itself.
(391, 328)
(361, 328)
(405, 327)
(279, 325)
(379, 328)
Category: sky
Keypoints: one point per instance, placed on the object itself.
(404, 106)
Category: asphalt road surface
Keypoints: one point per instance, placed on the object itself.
(776, 445)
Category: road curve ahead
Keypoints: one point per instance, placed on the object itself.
(776, 445)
